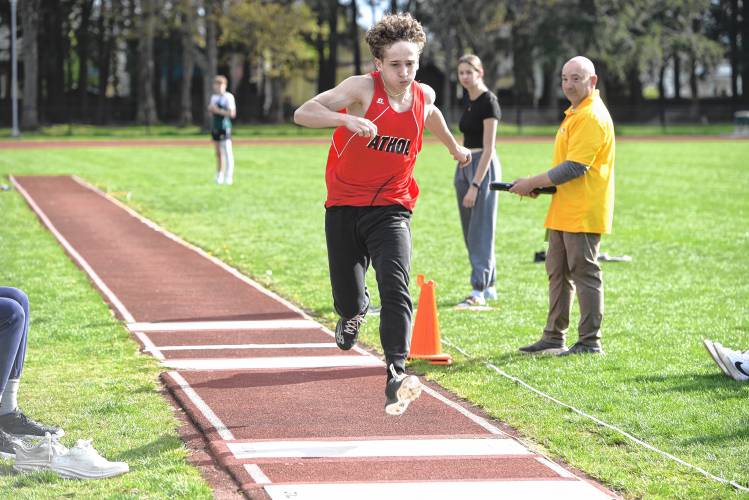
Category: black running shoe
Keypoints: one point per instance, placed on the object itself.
(579, 348)
(6, 446)
(347, 330)
(400, 391)
(543, 347)
(16, 423)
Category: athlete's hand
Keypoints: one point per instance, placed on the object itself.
(462, 156)
(361, 126)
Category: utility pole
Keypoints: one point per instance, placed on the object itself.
(14, 68)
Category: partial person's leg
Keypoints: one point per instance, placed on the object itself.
(219, 162)
(12, 335)
(388, 238)
(481, 233)
(582, 258)
(229, 159)
(348, 262)
(560, 290)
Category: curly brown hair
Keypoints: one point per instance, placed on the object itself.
(394, 28)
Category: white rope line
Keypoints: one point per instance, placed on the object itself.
(600, 422)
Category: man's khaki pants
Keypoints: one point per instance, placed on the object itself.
(572, 264)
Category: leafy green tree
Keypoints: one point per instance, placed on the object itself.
(272, 35)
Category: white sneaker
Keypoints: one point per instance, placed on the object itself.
(712, 349)
(735, 362)
(490, 293)
(220, 178)
(80, 462)
(84, 462)
(31, 457)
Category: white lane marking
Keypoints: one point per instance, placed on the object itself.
(482, 422)
(73, 253)
(216, 422)
(241, 346)
(377, 448)
(285, 362)
(149, 346)
(257, 474)
(555, 467)
(440, 490)
(178, 326)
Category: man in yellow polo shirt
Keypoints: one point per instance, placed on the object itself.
(581, 210)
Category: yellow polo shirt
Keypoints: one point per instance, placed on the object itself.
(585, 204)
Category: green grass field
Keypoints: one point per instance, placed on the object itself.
(681, 213)
(244, 131)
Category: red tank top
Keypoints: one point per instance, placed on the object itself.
(376, 171)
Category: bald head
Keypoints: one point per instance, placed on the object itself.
(578, 79)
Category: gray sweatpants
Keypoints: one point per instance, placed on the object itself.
(572, 266)
(479, 222)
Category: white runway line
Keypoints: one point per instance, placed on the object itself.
(378, 448)
(290, 362)
(149, 346)
(257, 474)
(216, 422)
(441, 490)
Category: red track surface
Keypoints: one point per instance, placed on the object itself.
(283, 410)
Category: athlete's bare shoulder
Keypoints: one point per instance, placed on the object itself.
(429, 95)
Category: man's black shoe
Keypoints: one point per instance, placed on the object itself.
(579, 348)
(347, 330)
(400, 391)
(543, 347)
(16, 423)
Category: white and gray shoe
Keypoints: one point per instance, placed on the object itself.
(80, 462)
(736, 362)
(712, 349)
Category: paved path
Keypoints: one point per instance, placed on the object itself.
(283, 410)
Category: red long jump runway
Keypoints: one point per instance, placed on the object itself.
(285, 411)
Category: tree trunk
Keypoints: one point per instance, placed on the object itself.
(83, 36)
(733, 53)
(693, 87)
(745, 50)
(677, 76)
(30, 25)
(635, 85)
(106, 35)
(355, 38)
(662, 95)
(320, 47)
(188, 63)
(393, 6)
(146, 106)
(522, 67)
(53, 65)
(332, 65)
(211, 49)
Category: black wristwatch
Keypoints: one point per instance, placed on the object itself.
(476, 185)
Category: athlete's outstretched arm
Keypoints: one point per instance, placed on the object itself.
(436, 124)
(322, 110)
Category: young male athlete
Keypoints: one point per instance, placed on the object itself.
(372, 191)
(223, 109)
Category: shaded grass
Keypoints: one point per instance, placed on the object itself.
(681, 212)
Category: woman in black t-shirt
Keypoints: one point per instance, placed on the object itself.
(477, 205)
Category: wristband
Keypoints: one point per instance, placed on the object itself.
(476, 185)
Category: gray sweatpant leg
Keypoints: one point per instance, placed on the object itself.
(479, 222)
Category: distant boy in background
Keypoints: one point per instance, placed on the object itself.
(223, 110)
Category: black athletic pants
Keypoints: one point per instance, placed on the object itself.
(357, 236)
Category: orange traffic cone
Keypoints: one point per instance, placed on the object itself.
(425, 341)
